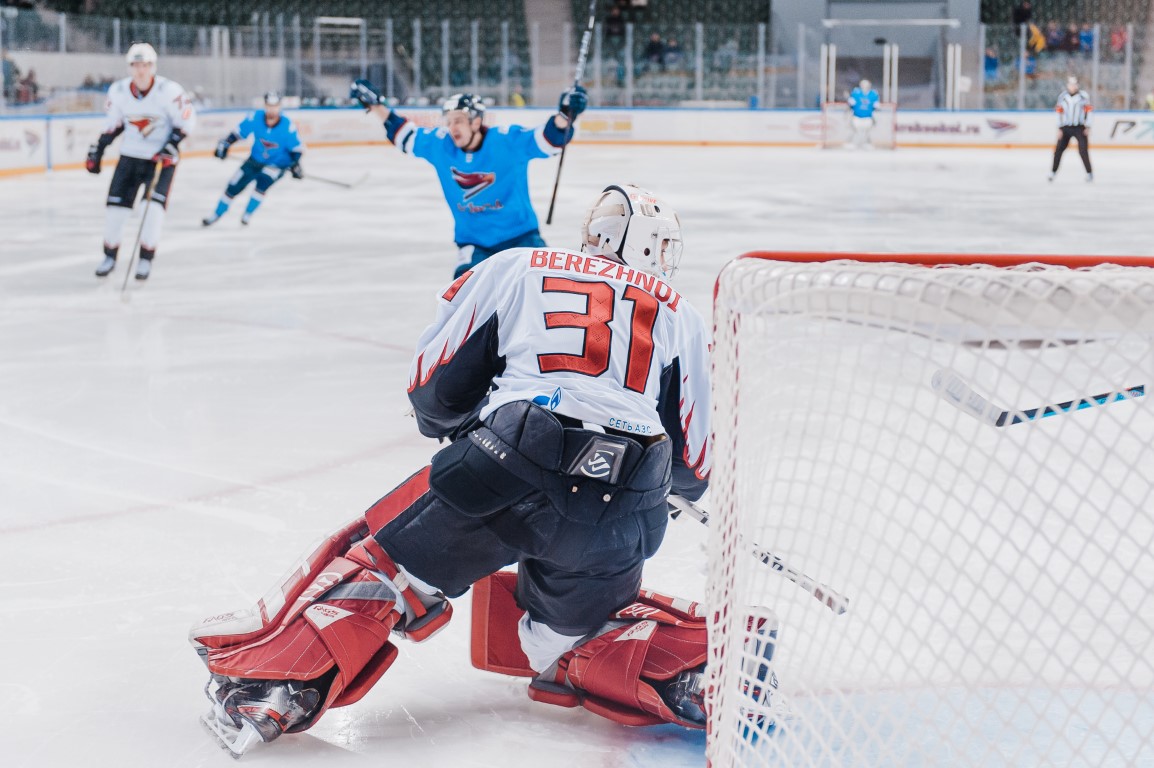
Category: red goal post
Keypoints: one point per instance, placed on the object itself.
(959, 445)
(837, 128)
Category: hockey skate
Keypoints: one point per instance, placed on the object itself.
(208, 221)
(106, 266)
(245, 219)
(143, 269)
(246, 712)
(685, 695)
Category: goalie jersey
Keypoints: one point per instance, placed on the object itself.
(581, 335)
(147, 117)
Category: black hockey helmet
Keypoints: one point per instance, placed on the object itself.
(465, 102)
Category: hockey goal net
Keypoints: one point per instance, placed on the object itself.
(838, 129)
(963, 451)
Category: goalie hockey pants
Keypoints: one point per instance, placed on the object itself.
(512, 491)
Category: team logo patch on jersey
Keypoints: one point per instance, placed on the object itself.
(551, 402)
(601, 460)
(269, 146)
(144, 124)
(473, 182)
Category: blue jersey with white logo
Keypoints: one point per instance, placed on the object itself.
(487, 190)
(863, 104)
(271, 144)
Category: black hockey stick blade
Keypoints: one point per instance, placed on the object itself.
(830, 598)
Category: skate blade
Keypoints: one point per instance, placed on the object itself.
(236, 740)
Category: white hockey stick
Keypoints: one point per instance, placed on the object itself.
(952, 388)
(343, 184)
(831, 598)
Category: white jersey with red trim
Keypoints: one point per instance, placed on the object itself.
(581, 335)
(148, 118)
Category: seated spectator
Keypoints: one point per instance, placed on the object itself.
(614, 31)
(1118, 40)
(1054, 36)
(674, 57)
(654, 53)
(1072, 42)
(28, 90)
(1023, 14)
(1086, 37)
(11, 74)
(1036, 42)
(726, 56)
(991, 65)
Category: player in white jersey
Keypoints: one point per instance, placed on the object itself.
(155, 115)
(574, 388)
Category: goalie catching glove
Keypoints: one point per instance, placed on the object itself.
(366, 94)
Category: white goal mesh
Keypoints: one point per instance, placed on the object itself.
(1000, 579)
(837, 126)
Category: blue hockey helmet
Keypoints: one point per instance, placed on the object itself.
(464, 102)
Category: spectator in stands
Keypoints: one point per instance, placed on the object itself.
(1086, 39)
(1054, 36)
(654, 53)
(991, 65)
(615, 32)
(674, 56)
(1072, 42)
(11, 77)
(28, 91)
(1036, 41)
(1150, 101)
(1118, 40)
(1023, 14)
(516, 98)
(726, 56)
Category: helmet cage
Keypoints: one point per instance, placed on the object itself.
(631, 226)
(464, 102)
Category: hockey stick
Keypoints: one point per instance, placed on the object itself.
(581, 57)
(335, 183)
(832, 599)
(158, 167)
(952, 388)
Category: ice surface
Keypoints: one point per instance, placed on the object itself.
(167, 457)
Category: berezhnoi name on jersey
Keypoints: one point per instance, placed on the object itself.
(602, 267)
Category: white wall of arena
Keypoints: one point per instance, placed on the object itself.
(30, 144)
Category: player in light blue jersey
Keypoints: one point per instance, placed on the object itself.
(276, 148)
(484, 172)
(862, 101)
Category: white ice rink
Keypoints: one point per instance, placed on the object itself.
(169, 457)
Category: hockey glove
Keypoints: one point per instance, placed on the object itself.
(367, 94)
(169, 154)
(573, 102)
(296, 170)
(223, 145)
(95, 155)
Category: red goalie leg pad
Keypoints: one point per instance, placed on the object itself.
(615, 673)
(495, 644)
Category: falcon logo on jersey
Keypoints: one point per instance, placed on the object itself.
(473, 182)
(269, 146)
(144, 124)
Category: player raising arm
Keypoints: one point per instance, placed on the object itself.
(484, 172)
(573, 386)
(276, 148)
(155, 115)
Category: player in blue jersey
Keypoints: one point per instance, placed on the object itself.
(483, 171)
(275, 149)
(862, 101)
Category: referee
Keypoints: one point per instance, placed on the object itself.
(1073, 123)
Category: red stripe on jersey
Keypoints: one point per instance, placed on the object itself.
(456, 286)
(390, 507)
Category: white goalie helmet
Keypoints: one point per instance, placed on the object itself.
(142, 52)
(633, 226)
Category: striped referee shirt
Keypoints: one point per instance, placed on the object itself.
(1074, 109)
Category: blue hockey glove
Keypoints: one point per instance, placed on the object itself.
(367, 94)
(573, 102)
